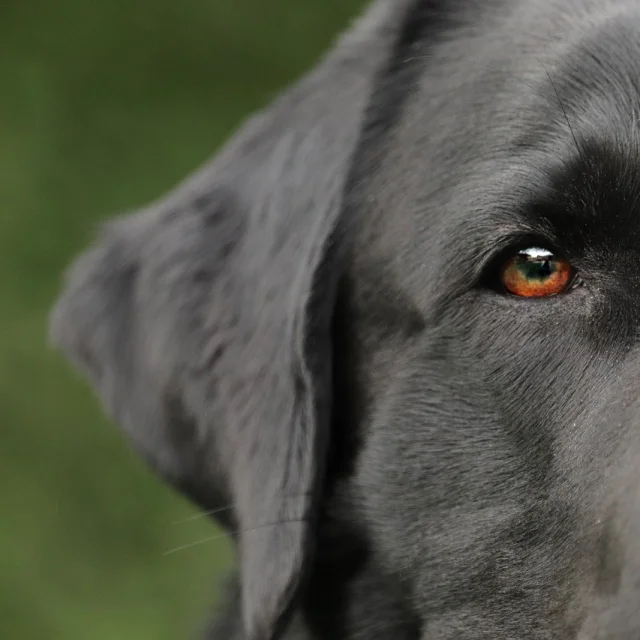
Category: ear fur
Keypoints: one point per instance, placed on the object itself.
(203, 321)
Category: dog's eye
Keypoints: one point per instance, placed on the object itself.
(536, 273)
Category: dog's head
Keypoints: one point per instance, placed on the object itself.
(395, 324)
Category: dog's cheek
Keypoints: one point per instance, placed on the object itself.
(465, 477)
(437, 473)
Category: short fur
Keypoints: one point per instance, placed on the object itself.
(308, 330)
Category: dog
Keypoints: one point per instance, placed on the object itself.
(394, 327)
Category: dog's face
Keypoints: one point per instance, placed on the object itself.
(395, 325)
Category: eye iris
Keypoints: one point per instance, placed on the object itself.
(536, 273)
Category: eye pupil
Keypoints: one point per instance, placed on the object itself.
(545, 269)
(535, 269)
(536, 273)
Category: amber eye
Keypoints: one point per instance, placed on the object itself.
(536, 273)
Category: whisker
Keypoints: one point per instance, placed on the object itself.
(213, 512)
(228, 534)
(193, 544)
(203, 514)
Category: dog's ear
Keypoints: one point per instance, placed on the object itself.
(204, 320)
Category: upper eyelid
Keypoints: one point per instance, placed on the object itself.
(495, 229)
(508, 245)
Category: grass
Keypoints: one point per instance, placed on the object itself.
(105, 105)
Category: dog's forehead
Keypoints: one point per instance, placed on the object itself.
(494, 95)
(495, 78)
(490, 123)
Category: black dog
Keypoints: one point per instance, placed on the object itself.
(395, 324)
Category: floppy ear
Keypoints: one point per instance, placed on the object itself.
(203, 321)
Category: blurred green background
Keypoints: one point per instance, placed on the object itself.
(104, 105)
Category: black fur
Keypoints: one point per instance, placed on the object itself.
(312, 330)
